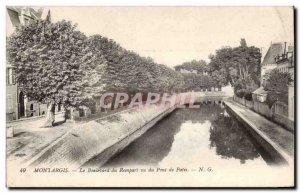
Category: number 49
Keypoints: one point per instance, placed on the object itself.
(23, 170)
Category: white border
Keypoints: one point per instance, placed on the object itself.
(4, 3)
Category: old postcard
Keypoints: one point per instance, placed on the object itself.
(150, 96)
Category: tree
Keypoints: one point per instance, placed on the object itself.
(245, 87)
(200, 66)
(127, 71)
(55, 63)
(49, 60)
(238, 62)
(197, 81)
(243, 43)
(278, 81)
(277, 85)
(218, 79)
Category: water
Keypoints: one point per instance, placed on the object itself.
(204, 136)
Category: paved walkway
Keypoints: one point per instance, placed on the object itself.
(30, 137)
(282, 139)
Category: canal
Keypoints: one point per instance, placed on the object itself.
(194, 137)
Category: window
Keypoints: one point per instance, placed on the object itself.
(10, 76)
(26, 21)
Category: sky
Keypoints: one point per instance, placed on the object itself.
(173, 35)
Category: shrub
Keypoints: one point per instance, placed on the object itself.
(276, 96)
(244, 88)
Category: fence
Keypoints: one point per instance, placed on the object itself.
(277, 113)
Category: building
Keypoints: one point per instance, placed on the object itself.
(291, 104)
(285, 63)
(280, 57)
(269, 62)
(17, 104)
(184, 71)
(190, 71)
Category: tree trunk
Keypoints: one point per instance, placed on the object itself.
(50, 115)
(113, 102)
(66, 113)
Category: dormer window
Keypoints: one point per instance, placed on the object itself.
(26, 21)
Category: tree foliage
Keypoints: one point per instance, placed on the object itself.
(243, 88)
(50, 61)
(197, 81)
(237, 63)
(126, 70)
(200, 66)
(56, 63)
(277, 85)
(278, 81)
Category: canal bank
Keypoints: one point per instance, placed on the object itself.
(207, 136)
(273, 138)
(99, 140)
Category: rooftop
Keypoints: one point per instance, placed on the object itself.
(274, 50)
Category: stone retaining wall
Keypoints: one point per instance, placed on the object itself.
(277, 113)
(260, 138)
(99, 139)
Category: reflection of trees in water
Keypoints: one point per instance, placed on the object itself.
(156, 143)
(227, 135)
(151, 147)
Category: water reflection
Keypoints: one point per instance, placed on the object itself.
(204, 135)
(230, 139)
(151, 147)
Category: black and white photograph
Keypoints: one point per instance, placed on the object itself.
(150, 96)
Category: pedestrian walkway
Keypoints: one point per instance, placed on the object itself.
(280, 138)
(30, 137)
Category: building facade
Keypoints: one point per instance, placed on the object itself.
(17, 104)
(285, 63)
(269, 61)
(184, 71)
(280, 57)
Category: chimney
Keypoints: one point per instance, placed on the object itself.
(284, 48)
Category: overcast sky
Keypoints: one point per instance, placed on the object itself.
(172, 35)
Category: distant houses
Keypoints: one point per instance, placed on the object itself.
(184, 71)
(193, 67)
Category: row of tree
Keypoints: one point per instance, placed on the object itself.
(56, 63)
